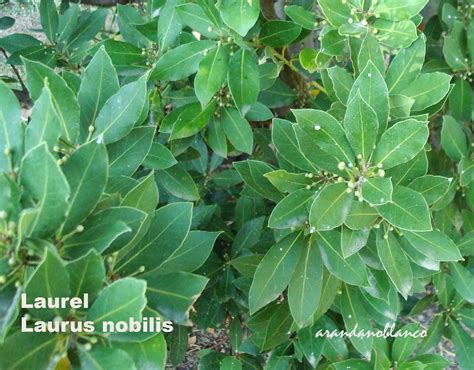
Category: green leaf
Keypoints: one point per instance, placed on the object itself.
(194, 16)
(44, 123)
(435, 245)
(288, 182)
(128, 153)
(110, 228)
(286, 143)
(454, 54)
(178, 182)
(9, 309)
(274, 271)
(98, 83)
(404, 173)
(301, 16)
(463, 344)
(353, 240)
(427, 90)
(253, 173)
(149, 354)
(328, 133)
(86, 172)
(361, 126)
(169, 24)
(342, 82)
(243, 79)
(305, 286)
(433, 336)
(292, 211)
(403, 347)
(238, 130)
(356, 317)
(277, 96)
(11, 129)
(398, 35)
(395, 262)
(216, 137)
(144, 196)
(248, 235)
(433, 188)
(278, 33)
(352, 269)
(27, 351)
(44, 182)
(181, 62)
(453, 139)
(86, 275)
(334, 44)
(174, 294)
(64, 100)
(370, 51)
(461, 100)
(397, 10)
(120, 112)
(463, 281)
(49, 19)
(400, 143)
(6, 22)
(408, 210)
(105, 358)
(247, 265)
(330, 207)
(185, 127)
(169, 228)
(377, 190)
(190, 254)
(159, 157)
(120, 301)
(211, 74)
(400, 106)
(49, 280)
(372, 88)
(231, 363)
(67, 23)
(88, 25)
(466, 171)
(337, 12)
(240, 15)
(406, 66)
(259, 112)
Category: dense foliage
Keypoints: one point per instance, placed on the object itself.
(274, 170)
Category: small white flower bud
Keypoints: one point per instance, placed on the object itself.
(381, 173)
(79, 228)
(341, 166)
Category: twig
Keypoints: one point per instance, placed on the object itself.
(20, 80)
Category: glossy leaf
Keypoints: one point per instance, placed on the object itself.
(274, 271)
(330, 207)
